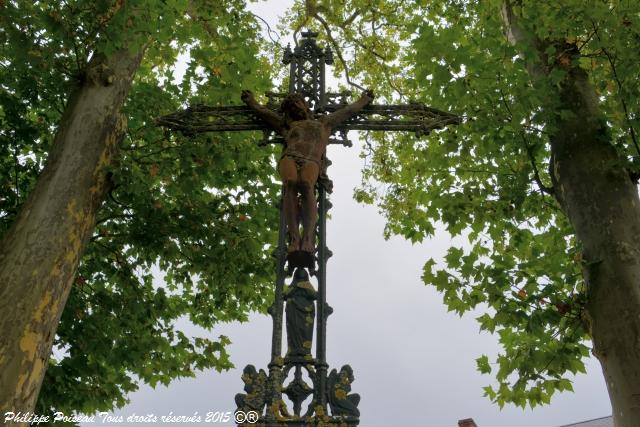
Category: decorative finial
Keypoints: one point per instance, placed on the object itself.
(309, 34)
(287, 56)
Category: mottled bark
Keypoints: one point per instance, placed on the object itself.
(602, 203)
(39, 254)
(596, 193)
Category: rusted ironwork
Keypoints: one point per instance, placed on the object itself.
(417, 118)
(326, 395)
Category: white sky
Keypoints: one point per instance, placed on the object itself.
(414, 363)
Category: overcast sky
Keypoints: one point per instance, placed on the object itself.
(414, 363)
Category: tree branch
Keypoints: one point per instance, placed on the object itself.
(350, 19)
(619, 83)
(336, 47)
(532, 160)
(515, 34)
(536, 174)
(269, 30)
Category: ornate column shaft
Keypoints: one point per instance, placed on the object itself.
(331, 405)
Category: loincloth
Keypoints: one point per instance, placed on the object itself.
(299, 159)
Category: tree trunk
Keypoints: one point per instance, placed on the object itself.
(602, 203)
(598, 196)
(39, 254)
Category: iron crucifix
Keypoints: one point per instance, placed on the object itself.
(305, 121)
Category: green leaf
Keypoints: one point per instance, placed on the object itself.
(483, 366)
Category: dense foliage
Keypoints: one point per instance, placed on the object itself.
(196, 212)
(488, 179)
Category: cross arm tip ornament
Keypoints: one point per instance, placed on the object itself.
(413, 117)
(199, 118)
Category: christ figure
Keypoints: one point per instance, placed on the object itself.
(305, 144)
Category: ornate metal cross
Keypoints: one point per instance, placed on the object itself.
(299, 303)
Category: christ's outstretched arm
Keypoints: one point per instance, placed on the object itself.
(345, 113)
(272, 119)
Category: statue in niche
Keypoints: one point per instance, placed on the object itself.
(300, 312)
(255, 386)
(338, 388)
(302, 161)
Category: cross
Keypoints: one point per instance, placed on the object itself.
(305, 120)
(307, 78)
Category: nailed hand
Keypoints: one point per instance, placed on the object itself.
(247, 96)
